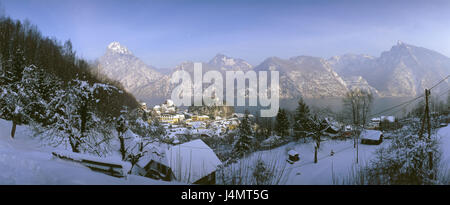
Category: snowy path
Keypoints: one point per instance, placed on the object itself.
(22, 161)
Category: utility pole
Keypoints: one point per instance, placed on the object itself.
(427, 96)
(430, 154)
(426, 119)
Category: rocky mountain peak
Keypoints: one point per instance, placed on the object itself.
(223, 61)
(116, 47)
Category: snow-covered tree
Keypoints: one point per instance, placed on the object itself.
(315, 128)
(262, 174)
(282, 123)
(11, 105)
(135, 134)
(245, 135)
(11, 90)
(121, 128)
(40, 88)
(409, 159)
(77, 121)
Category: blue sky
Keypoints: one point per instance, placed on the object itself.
(165, 33)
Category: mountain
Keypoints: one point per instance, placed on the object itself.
(405, 70)
(148, 83)
(310, 77)
(120, 64)
(349, 64)
(226, 63)
(358, 82)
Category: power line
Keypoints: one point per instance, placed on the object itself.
(443, 93)
(440, 82)
(402, 104)
(410, 101)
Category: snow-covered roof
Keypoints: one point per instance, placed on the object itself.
(371, 134)
(375, 119)
(292, 152)
(155, 152)
(333, 124)
(169, 103)
(192, 161)
(388, 118)
(239, 115)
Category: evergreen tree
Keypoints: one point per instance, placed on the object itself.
(301, 117)
(282, 123)
(244, 141)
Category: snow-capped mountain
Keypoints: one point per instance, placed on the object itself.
(310, 77)
(115, 47)
(404, 70)
(120, 64)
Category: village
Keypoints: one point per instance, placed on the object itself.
(180, 123)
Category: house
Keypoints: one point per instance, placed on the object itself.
(293, 156)
(155, 165)
(347, 132)
(373, 137)
(387, 122)
(333, 127)
(167, 107)
(374, 123)
(171, 118)
(241, 115)
(390, 119)
(192, 162)
(143, 106)
(200, 117)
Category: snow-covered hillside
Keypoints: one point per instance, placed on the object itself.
(329, 170)
(443, 135)
(25, 160)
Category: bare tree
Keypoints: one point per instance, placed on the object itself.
(359, 103)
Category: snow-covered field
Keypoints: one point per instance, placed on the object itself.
(24, 160)
(327, 171)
